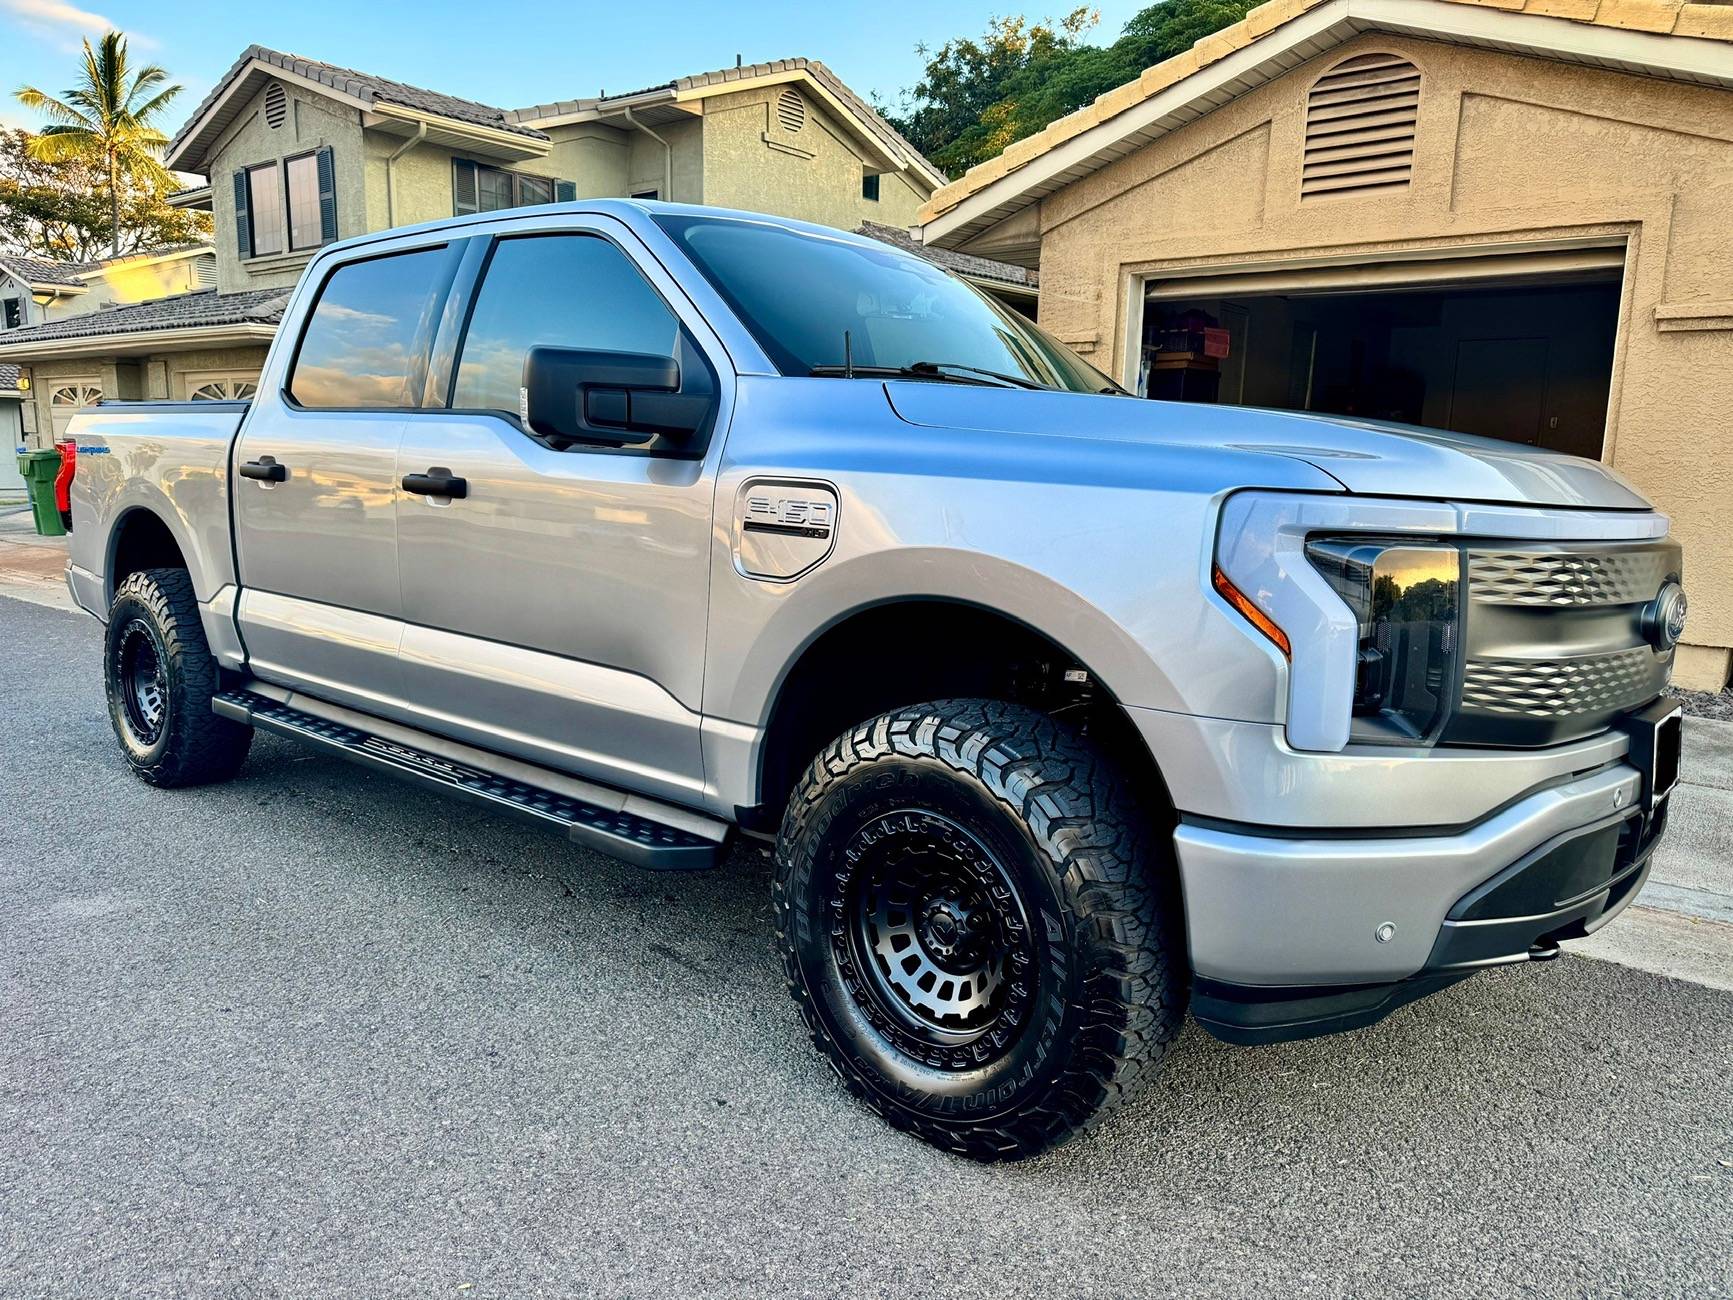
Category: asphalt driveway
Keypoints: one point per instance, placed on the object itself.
(316, 1033)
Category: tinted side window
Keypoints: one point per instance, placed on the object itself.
(570, 291)
(364, 344)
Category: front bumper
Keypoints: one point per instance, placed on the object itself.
(1566, 888)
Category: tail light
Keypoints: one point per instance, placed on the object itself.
(68, 449)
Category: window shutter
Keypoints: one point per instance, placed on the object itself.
(463, 197)
(327, 196)
(565, 191)
(243, 222)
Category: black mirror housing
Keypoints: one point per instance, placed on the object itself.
(613, 399)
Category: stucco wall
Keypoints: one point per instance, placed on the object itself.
(1508, 150)
(312, 123)
(421, 180)
(813, 174)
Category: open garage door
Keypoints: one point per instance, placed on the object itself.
(1518, 347)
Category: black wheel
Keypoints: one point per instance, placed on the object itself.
(161, 678)
(976, 924)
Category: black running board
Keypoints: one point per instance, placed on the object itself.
(629, 836)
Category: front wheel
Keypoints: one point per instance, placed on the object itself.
(161, 677)
(981, 936)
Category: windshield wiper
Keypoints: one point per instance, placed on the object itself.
(948, 371)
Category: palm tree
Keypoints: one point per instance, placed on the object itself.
(107, 121)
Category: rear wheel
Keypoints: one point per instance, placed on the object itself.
(976, 926)
(161, 677)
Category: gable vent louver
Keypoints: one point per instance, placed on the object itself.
(790, 111)
(276, 105)
(1360, 126)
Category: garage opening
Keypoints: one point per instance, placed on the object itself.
(1495, 346)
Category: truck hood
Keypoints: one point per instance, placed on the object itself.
(1368, 457)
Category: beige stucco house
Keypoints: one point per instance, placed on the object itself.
(1508, 217)
(299, 153)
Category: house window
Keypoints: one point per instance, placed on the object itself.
(14, 313)
(479, 188)
(305, 224)
(648, 194)
(869, 187)
(286, 206)
(265, 208)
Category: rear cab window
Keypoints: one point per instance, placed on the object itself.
(366, 340)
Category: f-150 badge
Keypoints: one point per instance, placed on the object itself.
(782, 529)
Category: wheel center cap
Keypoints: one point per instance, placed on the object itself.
(945, 927)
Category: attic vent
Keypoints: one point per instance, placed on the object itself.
(1360, 126)
(276, 105)
(790, 110)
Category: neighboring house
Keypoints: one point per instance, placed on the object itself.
(1508, 218)
(40, 299)
(300, 153)
(34, 290)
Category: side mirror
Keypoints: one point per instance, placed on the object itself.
(614, 399)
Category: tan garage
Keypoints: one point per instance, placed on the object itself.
(1508, 218)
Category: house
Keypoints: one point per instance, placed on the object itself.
(1507, 217)
(34, 290)
(299, 153)
(40, 299)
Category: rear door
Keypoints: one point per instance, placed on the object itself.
(315, 482)
(557, 610)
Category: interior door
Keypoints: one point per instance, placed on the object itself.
(315, 483)
(556, 609)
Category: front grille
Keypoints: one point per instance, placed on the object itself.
(1554, 646)
(1560, 688)
(1599, 577)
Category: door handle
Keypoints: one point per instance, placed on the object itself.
(437, 482)
(265, 469)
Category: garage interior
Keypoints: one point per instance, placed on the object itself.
(1482, 348)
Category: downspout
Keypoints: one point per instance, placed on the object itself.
(390, 177)
(667, 155)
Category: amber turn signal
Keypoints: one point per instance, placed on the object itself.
(1252, 614)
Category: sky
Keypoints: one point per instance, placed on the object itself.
(506, 54)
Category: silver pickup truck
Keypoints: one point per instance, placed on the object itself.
(1065, 711)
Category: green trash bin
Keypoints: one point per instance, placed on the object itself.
(40, 469)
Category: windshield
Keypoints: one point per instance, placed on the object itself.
(801, 292)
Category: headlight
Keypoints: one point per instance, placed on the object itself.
(1407, 598)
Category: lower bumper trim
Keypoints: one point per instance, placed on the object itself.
(1248, 1015)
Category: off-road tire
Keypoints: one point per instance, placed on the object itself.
(1104, 950)
(155, 613)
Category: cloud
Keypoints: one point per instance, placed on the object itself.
(63, 23)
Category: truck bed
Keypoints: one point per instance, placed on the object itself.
(171, 458)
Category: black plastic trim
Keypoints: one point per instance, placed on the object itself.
(1249, 1015)
(629, 836)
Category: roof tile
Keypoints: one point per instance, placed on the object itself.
(202, 307)
(1711, 21)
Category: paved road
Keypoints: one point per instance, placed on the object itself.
(314, 1032)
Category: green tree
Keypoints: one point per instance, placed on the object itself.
(107, 120)
(63, 211)
(977, 97)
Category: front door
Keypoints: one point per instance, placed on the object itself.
(556, 611)
(315, 483)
